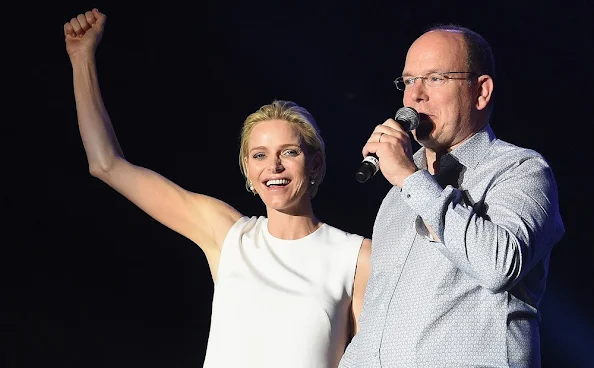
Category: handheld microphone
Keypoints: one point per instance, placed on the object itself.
(408, 118)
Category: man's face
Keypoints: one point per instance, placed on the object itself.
(447, 111)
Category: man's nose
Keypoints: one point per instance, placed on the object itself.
(418, 90)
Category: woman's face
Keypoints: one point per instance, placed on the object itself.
(277, 165)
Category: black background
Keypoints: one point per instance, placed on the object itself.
(91, 281)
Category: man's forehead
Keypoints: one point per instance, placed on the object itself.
(436, 51)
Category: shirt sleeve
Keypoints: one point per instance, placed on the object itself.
(497, 239)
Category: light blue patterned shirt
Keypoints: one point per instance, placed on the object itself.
(471, 300)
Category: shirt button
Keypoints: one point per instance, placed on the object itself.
(375, 354)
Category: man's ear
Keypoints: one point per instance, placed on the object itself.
(485, 91)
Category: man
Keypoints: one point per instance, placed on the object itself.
(461, 243)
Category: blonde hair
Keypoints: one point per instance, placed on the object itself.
(292, 113)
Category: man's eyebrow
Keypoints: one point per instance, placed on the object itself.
(430, 71)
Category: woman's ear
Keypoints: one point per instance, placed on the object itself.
(245, 167)
(315, 164)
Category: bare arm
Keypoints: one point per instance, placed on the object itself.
(361, 277)
(200, 218)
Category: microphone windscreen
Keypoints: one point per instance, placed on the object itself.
(408, 118)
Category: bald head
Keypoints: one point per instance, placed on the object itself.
(473, 51)
(439, 51)
(443, 85)
(479, 53)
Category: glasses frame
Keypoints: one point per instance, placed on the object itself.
(424, 78)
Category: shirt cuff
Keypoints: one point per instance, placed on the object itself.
(420, 191)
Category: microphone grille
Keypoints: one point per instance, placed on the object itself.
(408, 118)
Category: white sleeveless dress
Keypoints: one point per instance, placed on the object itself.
(282, 303)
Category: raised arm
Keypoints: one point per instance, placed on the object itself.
(202, 219)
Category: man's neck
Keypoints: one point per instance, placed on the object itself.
(433, 159)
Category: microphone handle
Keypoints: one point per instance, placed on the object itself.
(408, 118)
(369, 166)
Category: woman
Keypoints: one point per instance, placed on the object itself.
(288, 288)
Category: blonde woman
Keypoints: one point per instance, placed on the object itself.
(288, 287)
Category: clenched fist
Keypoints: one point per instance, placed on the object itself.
(84, 32)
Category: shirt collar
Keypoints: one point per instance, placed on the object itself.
(468, 154)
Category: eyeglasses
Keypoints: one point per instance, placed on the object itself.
(430, 80)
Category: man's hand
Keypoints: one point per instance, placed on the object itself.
(392, 146)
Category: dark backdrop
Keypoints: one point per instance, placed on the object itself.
(91, 281)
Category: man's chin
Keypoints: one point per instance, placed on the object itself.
(423, 132)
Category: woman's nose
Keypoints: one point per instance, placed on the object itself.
(276, 165)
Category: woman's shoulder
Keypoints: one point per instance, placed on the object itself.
(337, 231)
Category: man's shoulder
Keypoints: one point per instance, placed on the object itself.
(504, 149)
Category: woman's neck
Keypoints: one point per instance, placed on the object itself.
(291, 226)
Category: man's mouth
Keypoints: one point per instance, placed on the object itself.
(424, 117)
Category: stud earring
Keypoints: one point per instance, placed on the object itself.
(312, 181)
